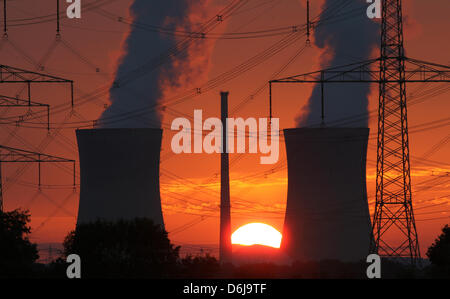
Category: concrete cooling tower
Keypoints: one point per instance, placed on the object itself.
(327, 215)
(119, 174)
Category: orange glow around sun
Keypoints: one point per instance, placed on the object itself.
(257, 234)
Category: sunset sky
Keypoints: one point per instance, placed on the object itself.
(89, 52)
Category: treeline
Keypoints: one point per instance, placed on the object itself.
(141, 249)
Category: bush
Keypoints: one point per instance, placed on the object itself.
(17, 253)
(125, 249)
(439, 254)
(201, 266)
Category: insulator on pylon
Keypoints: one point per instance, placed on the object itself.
(308, 25)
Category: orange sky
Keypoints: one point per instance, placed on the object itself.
(258, 192)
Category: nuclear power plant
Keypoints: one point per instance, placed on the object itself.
(347, 66)
(327, 215)
(119, 174)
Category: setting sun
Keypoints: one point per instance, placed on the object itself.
(256, 234)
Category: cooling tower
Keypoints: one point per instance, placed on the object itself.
(327, 215)
(119, 174)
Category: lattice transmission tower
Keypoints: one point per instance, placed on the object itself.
(393, 207)
(394, 230)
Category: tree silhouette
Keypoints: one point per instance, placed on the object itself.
(200, 266)
(439, 252)
(127, 248)
(17, 253)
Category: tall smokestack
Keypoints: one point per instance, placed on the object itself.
(225, 214)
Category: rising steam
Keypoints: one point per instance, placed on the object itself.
(349, 39)
(136, 88)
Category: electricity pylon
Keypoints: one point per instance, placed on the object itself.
(14, 155)
(15, 75)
